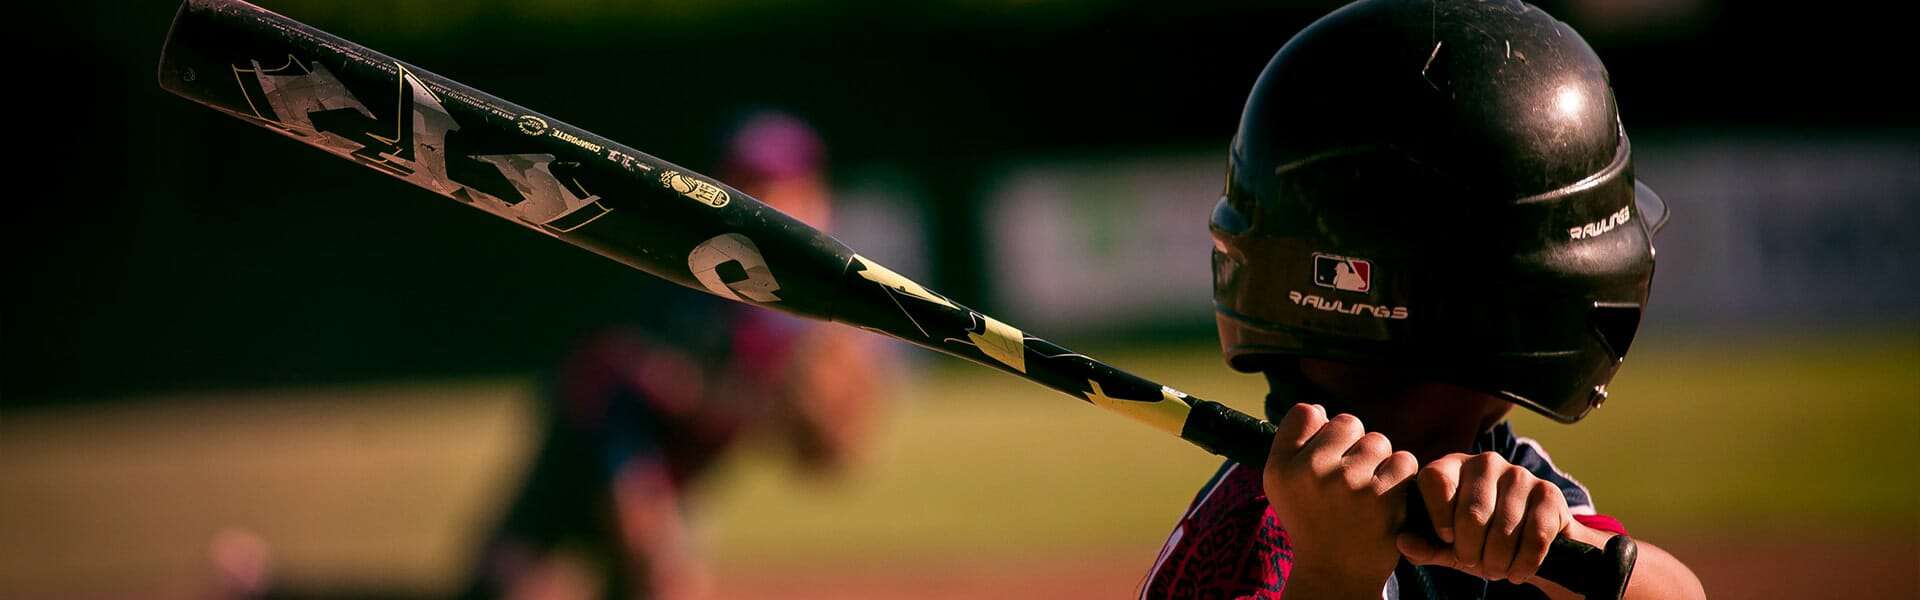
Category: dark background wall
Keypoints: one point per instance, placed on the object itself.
(157, 245)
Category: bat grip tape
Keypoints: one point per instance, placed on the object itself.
(1586, 570)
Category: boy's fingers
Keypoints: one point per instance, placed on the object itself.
(1544, 523)
(1503, 529)
(1473, 508)
(1398, 467)
(1296, 427)
(1439, 482)
(1421, 551)
(1372, 447)
(1324, 452)
(1362, 460)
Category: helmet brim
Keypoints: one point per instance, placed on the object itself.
(1652, 208)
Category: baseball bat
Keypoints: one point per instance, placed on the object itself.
(669, 221)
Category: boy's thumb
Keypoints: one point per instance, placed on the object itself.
(1421, 551)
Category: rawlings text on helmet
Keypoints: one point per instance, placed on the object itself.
(1596, 228)
(1395, 313)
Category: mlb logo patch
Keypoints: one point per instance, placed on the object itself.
(1342, 273)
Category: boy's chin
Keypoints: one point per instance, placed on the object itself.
(1429, 430)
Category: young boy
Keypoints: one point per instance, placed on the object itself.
(1430, 217)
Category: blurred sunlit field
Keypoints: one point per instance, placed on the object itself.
(1778, 467)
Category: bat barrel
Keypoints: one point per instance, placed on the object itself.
(536, 171)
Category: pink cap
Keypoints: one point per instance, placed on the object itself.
(774, 145)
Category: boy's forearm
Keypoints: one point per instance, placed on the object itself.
(1660, 575)
(1657, 575)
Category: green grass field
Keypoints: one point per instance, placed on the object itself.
(1725, 445)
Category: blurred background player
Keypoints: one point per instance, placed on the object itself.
(638, 413)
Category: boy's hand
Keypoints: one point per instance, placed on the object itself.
(1339, 492)
(1495, 519)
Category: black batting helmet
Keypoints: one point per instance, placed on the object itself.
(1443, 186)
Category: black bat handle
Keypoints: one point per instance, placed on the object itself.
(1589, 571)
(1220, 429)
(1583, 569)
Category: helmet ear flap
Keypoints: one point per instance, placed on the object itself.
(1616, 323)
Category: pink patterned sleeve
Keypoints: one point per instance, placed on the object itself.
(1228, 545)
